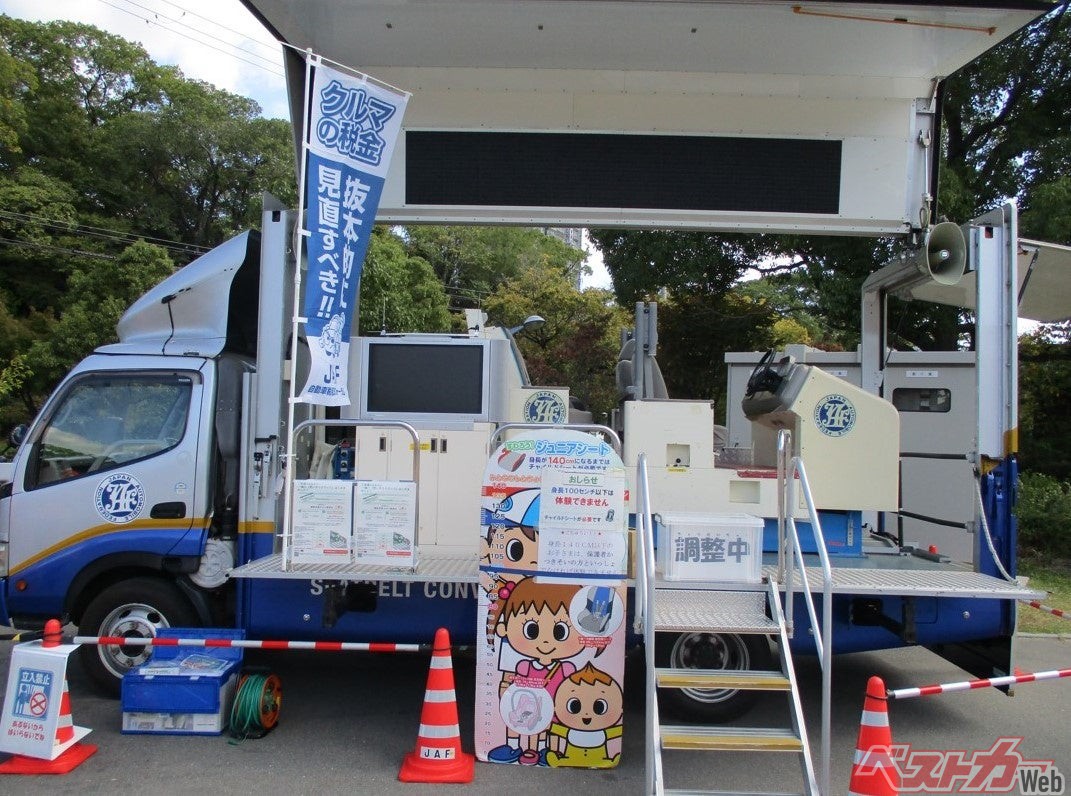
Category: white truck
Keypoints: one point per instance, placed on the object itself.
(146, 492)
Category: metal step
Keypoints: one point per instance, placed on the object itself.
(730, 739)
(682, 610)
(722, 678)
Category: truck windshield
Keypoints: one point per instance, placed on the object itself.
(106, 421)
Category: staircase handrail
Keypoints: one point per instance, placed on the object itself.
(644, 620)
(789, 469)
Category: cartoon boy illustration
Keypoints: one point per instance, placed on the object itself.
(534, 619)
(588, 707)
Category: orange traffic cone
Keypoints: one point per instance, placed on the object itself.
(873, 771)
(438, 756)
(69, 753)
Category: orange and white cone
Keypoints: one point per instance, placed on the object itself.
(438, 756)
(874, 773)
(68, 753)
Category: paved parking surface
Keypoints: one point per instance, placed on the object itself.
(348, 719)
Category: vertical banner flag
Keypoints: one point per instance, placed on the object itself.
(349, 137)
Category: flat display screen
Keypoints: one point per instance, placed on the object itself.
(425, 379)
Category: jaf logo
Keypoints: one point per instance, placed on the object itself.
(544, 406)
(120, 498)
(834, 415)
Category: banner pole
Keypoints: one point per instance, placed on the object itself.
(300, 233)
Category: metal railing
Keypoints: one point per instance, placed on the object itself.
(789, 555)
(590, 428)
(287, 531)
(644, 621)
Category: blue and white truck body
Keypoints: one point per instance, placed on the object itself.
(147, 493)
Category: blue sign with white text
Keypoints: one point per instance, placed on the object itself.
(349, 142)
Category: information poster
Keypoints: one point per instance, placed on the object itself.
(551, 634)
(322, 521)
(582, 529)
(384, 523)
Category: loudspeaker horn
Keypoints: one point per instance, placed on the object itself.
(944, 256)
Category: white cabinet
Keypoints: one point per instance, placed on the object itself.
(452, 462)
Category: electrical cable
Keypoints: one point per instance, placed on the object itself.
(256, 706)
(25, 244)
(985, 531)
(151, 21)
(104, 232)
(200, 32)
(273, 45)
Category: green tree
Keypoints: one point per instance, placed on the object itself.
(1044, 384)
(37, 216)
(81, 78)
(472, 262)
(101, 147)
(1048, 216)
(1007, 119)
(16, 78)
(399, 293)
(100, 290)
(578, 345)
(194, 167)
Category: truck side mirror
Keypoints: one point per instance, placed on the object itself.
(17, 435)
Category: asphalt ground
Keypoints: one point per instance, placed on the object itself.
(348, 719)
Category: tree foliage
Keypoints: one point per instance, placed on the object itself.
(578, 345)
(1007, 120)
(1006, 133)
(399, 293)
(472, 262)
(1044, 384)
(100, 147)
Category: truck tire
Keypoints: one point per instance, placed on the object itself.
(710, 651)
(135, 608)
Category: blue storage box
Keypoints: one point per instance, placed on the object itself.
(183, 690)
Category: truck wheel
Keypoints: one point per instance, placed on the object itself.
(134, 608)
(710, 651)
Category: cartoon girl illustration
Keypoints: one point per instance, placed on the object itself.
(534, 620)
(507, 552)
(588, 707)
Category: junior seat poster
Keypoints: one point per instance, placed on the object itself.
(551, 634)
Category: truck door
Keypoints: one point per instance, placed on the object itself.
(108, 478)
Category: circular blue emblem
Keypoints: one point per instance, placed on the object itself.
(544, 406)
(120, 498)
(834, 415)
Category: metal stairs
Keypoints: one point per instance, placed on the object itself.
(738, 609)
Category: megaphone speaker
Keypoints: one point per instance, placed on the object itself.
(944, 257)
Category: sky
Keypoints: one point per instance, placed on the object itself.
(217, 41)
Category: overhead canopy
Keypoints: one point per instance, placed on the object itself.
(1044, 271)
(750, 114)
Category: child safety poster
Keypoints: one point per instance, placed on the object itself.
(551, 634)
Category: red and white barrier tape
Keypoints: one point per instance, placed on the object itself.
(322, 646)
(968, 685)
(1047, 609)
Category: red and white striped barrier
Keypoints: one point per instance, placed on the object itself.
(969, 685)
(322, 646)
(1047, 609)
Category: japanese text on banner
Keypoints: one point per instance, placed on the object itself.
(349, 142)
